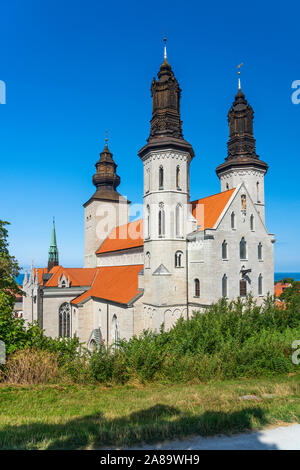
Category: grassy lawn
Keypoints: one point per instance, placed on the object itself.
(81, 417)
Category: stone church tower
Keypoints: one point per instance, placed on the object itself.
(105, 209)
(167, 220)
(242, 164)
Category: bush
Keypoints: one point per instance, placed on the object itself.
(31, 366)
(230, 340)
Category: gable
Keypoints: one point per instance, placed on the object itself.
(235, 205)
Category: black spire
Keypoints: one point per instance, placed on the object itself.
(241, 143)
(166, 124)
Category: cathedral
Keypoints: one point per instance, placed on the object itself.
(181, 257)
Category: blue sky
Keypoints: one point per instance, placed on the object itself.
(74, 68)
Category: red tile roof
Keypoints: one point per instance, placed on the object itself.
(115, 283)
(280, 287)
(40, 271)
(77, 276)
(207, 210)
(123, 237)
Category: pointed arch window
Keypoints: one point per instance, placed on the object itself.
(224, 286)
(161, 221)
(147, 180)
(178, 259)
(147, 260)
(197, 287)
(243, 288)
(64, 320)
(243, 249)
(252, 222)
(260, 284)
(178, 177)
(224, 250)
(257, 192)
(115, 331)
(259, 251)
(161, 178)
(178, 220)
(232, 220)
(243, 202)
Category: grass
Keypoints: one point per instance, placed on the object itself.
(92, 416)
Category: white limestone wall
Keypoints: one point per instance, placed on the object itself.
(100, 218)
(129, 257)
(253, 179)
(168, 288)
(52, 300)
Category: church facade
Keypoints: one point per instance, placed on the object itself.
(181, 257)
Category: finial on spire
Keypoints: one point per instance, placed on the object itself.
(239, 74)
(106, 138)
(165, 47)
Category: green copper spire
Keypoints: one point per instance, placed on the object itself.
(53, 251)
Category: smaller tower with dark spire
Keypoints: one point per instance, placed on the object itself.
(242, 163)
(53, 251)
(106, 209)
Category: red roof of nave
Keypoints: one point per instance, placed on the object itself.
(114, 283)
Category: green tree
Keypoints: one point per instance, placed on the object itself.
(9, 267)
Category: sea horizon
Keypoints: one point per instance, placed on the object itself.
(277, 276)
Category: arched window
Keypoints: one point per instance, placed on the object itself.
(178, 220)
(224, 250)
(147, 260)
(224, 286)
(243, 249)
(161, 220)
(232, 220)
(197, 287)
(259, 251)
(147, 180)
(257, 192)
(161, 178)
(148, 221)
(252, 222)
(227, 186)
(178, 259)
(178, 177)
(115, 330)
(64, 320)
(260, 284)
(243, 202)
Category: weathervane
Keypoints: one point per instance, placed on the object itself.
(239, 74)
(165, 47)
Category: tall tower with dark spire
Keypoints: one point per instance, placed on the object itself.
(166, 158)
(53, 251)
(106, 209)
(242, 164)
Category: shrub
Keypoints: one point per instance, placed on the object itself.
(31, 366)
